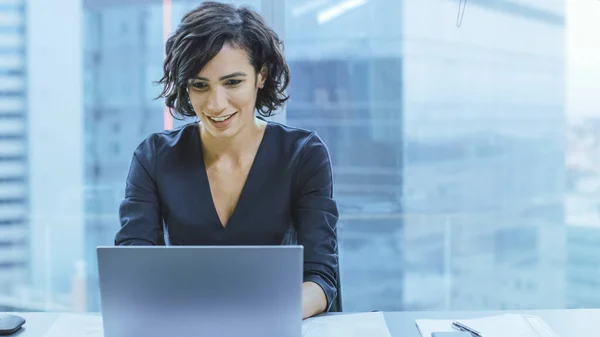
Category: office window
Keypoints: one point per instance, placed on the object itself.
(465, 158)
(447, 146)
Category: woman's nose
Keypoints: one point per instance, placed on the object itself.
(217, 102)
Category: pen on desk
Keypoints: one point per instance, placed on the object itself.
(463, 327)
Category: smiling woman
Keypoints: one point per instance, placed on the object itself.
(233, 178)
(202, 35)
(221, 100)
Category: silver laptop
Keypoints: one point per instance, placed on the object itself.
(185, 291)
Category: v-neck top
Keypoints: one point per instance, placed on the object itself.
(287, 198)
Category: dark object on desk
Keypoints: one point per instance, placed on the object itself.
(9, 324)
(451, 334)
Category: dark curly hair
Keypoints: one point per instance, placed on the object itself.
(201, 35)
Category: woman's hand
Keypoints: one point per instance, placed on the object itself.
(314, 301)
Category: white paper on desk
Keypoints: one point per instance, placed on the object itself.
(514, 325)
(540, 326)
(74, 325)
(370, 324)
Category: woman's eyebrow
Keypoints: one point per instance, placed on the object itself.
(236, 74)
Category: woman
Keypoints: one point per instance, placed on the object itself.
(233, 178)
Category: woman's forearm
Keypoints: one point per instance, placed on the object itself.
(314, 301)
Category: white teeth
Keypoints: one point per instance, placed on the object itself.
(221, 119)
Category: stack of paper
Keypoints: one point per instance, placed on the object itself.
(514, 325)
(370, 324)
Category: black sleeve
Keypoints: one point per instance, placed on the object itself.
(315, 216)
(139, 212)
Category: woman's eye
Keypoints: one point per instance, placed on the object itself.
(233, 82)
(199, 85)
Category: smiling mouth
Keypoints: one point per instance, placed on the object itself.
(222, 118)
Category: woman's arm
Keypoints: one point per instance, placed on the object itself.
(315, 218)
(314, 300)
(140, 211)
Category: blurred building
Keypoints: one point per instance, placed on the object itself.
(484, 121)
(430, 128)
(14, 232)
(583, 213)
(347, 84)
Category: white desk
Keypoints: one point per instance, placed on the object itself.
(566, 323)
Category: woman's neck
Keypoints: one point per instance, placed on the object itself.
(235, 147)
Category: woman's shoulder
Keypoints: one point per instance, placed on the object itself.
(297, 145)
(291, 137)
(166, 140)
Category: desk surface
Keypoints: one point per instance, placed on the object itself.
(565, 323)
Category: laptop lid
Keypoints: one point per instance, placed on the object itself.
(185, 291)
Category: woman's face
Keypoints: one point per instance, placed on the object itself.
(223, 94)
